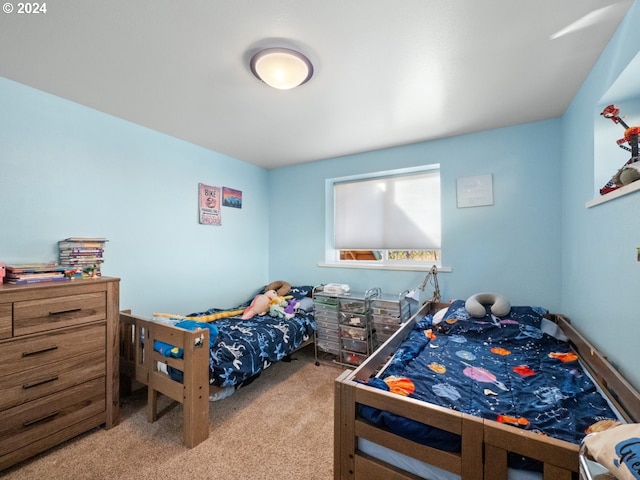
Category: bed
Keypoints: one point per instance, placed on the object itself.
(194, 361)
(458, 435)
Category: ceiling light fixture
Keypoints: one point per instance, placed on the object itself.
(281, 68)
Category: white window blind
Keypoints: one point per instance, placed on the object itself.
(397, 212)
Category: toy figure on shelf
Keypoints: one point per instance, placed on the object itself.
(630, 171)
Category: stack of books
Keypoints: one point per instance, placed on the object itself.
(82, 254)
(36, 273)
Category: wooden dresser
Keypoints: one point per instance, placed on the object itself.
(58, 363)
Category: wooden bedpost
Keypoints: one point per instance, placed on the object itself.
(193, 392)
(471, 454)
(196, 392)
(344, 433)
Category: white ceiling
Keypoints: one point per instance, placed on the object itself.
(387, 72)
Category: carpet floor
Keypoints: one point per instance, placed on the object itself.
(278, 427)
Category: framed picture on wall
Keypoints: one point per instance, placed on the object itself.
(231, 197)
(476, 191)
(209, 205)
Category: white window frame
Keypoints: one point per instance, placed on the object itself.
(332, 255)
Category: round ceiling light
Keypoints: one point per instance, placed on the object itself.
(281, 68)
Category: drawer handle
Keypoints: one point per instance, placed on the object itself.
(37, 352)
(62, 312)
(44, 418)
(26, 386)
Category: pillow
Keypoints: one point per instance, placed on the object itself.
(299, 292)
(306, 304)
(617, 449)
(500, 306)
(439, 315)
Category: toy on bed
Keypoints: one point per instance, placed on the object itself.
(269, 301)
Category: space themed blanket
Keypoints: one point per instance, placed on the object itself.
(244, 348)
(241, 349)
(505, 369)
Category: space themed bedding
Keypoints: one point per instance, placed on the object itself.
(511, 370)
(240, 349)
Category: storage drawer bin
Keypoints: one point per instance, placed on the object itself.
(327, 346)
(356, 333)
(326, 300)
(332, 326)
(386, 328)
(326, 319)
(322, 309)
(392, 310)
(355, 319)
(353, 358)
(388, 319)
(353, 306)
(327, 336)
(360, 346)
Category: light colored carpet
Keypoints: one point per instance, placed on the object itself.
(278, 427)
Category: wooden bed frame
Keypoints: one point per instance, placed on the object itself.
(485, 443)
(139, 367)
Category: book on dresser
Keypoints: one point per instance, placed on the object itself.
(35, 273)
(59, 363)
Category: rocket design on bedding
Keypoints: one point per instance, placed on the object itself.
(482, 375)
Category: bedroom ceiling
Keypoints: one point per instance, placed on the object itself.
(387, 72)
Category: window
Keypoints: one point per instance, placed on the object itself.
(389, 218)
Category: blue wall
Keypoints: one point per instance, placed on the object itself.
(67, 170)
(600, 271)
(512, 247)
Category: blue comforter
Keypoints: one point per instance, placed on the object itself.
(505, 369)
(241, 349)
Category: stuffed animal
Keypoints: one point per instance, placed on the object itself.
(278, 305)
(260, 304)
(290, 309)
(276, 310)
(283, 307)
(281, 287)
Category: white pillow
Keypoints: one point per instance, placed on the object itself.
(439, 315)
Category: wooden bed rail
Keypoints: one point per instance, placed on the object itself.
(486, 444)
(622, 394)
(143, 363)
(559, 458)
(351, 464)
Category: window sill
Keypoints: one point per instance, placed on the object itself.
(372, 266)
(620, 192)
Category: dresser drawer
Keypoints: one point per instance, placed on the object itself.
(49, 313)
(32, 384)
(5, 320)
(42, 350)
(29, 422)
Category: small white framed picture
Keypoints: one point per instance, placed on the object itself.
(476, 191)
